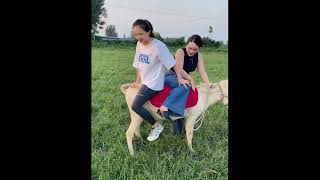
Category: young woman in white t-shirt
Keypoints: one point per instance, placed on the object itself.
(152, 60)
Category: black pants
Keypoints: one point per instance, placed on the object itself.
(144, 95)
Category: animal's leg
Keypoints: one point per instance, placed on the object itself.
(135, 122)
(137, 131)
(189, 132)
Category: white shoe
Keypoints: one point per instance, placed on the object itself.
(154, 134)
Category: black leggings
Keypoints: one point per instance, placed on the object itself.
(144, 95)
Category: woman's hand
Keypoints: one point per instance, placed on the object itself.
(183, 82)
(193, 86)
(209, 85)
(135, 85)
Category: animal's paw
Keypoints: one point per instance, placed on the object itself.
(131, 153)
(191, 149)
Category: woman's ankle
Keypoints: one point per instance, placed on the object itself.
(156, 125)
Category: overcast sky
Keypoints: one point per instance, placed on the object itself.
(171, 18)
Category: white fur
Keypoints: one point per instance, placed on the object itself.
(207, 97)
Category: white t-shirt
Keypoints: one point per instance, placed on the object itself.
(153, 61)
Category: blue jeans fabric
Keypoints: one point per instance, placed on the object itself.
(177, 98)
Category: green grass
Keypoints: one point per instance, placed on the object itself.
(166, 158)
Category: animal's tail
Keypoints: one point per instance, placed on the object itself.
(124, 87)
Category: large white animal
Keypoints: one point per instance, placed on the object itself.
(207, 97)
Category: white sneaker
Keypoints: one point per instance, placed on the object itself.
(154, 134)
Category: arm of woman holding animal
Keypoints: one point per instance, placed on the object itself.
(200, 66)
(182, 76)
(137, 82)
(202, 70)
(179, 56)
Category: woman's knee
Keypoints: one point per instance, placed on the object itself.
(135, 107)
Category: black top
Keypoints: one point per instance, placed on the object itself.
(190, 62)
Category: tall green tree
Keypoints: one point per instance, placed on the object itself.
(111, 31)
(97, 13)
(211, 30)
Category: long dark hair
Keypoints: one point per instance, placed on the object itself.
(145, 25)
(196, 39)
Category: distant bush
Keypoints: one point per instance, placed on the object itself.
(113, 43)
(172, 43)
(175, 42)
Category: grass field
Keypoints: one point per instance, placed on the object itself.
(166, 158)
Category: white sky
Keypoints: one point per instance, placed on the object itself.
(171, 18)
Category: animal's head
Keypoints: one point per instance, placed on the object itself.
(215, 92)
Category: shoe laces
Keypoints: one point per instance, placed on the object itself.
(155, 131)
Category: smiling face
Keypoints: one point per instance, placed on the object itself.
(141, 35)
(192, 48)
